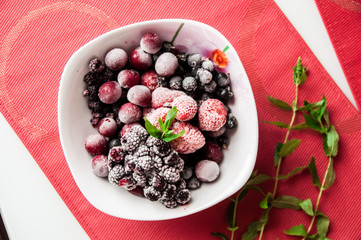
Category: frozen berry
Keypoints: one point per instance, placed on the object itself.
(207, 171)
(156, 114)
(114, 142)
(170, 174)
(116, 154)
(222, 79)
(150, 43)
(152, 194)
(194, 60)
(169, 203)
(186, 108)
(225, 93)
(167, 47)
(140, 131)
(176, 83)
(144, 162)
(161, 148)
(158, 182)
(116, 59)
(186, 173)
(127, 78)
(210, 87)
(223, 141)
(193, 183)
(126, 128)
(150, 79)
(181, 184)
(138, 191)
(183, 196)
(107, 127)
(189, 84)
(218, 133)
(191, 141)
(100, 165)
(204, 76)
(95, 65)
(213, 152)
(129, 113)
(163, 96)
(208, 65)
(172, 159)
(128, 182)
(139, 95)
(109, 92)
(115, 174)
(141, 151)
(130, 141)
(231, 121)
(141, 179)
(91, 78)
(166, 64)
(96, 144)
(212, 115)
(139, 59)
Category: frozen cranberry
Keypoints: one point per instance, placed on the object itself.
(140, 60)
(129, 113)
(150, 43)
(139, 95)
(100, 165)
(110, 92)
(126, 128)
(207, 171)
(128, 78)
(116, 59)
(166, 64)
(150, 80)
(213, 152)
(107, 127)
(96, 144)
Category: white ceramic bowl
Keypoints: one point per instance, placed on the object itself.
(74, 126)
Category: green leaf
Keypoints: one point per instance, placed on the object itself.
(293, 172)
(326, 149)
(230, 210)
(308, 106)
(320, 111)
(161, 124)
(253, 230)
(170, 136)
(276, 157)
(258, 179)
(288, 147)
(300, 126)
(298, 230)
(313, 171)
(278, 124)
(287, 202)
(279, 103)
(332, 140)
(307, 207)
(326, 117)
(220, 235)
(330, 175)
(170, 117)
(152, 130)
(322, 225)
(258, 189)
(265, 201)
(313, 123)
(299, 73)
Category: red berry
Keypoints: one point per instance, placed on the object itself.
(213, 152)
(107, 127)
(166, 64)
(218, 133)
(164, 96)
(150, 79)
(129, 113)
(116, 59)
(212, 115)
(191, 141)
(96, 144)
(186, 107)
(156, 114)
(100, 165)
(150, 43)
(140, 60)
(110, 92)
(128, 78)
(207, 171)
(126, 128)
(139, 95)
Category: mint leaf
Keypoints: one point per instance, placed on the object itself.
(170, 117)
(307, 207)
(220, 235)
(288, 147)
(279, 103)
(258, 179)
(170, 136)
(308, 106)
(276, 156)
(300, 126)
(278, 124)
(330, 175)
(293, 172)
(299, 73)
(313, 171)
(326, 117)
(320, 111)
(322, 225)
(265, 201)
(161, 124)
(152, 130)
(287, 202)
(313, 123)
(332, 141)
(298, 230)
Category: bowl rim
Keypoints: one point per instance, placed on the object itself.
(253, 152)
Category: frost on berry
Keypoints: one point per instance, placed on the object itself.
(191, 141)
(126, 128)
(116, 154)
(129, 113)
(139, 95)
(107, 127)
(139, 59)
(150, 79)
(212, 115)
(96, 144)
(186, 108)
(116, 59)
(164, 96)
(100, 165)
(128, 78)
(213, 152)
(156, 114)
(166, 64)
(150, 43)
(207, 171)
(110, 92)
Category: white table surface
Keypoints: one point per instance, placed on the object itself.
(30, 206)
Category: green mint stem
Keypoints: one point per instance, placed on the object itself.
(225, 48)
(176, 33)
(235, 214)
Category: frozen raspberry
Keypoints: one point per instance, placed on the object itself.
(208, 65)
(140, 179)
(186, 173)
(156, 114)
(170, 174)
(130, 141)
(189, 84)
(115, 174)
(107, 127)
(116, 154)
(212, 115)
(186, 108)
(116, 59)
(126, 128)
(191, 141)
(110, 92)
(218, 133)
(213, 152)
(129, 113)
(95, 65)
(139, 59)
(158, 182)
(204, 76)
(128, 78)
(193, 183)
(171, 203)
(207, 171)
(162, 96)
(139, 95)
(96, 144)
(138, 191)
(176, 83)
(128, 182)
(183, 196)
(150, 79)
(152, 194)
(166, 64)
(100, 165)
(150, 43)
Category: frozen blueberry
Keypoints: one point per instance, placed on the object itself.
(222, 79)
(189, 84)
(176, 83)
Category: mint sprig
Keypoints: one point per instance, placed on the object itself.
(165, 133)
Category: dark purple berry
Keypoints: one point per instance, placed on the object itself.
(114, 142)
(183, 196)
(152, 194)
(205, 96)
(189, 84)
(223, 141)
(207, 65)
(210, 87)
(222, 79)
(176, 83)
(172, 159)
(130, 141)
(161, 148)
(167, 47)
(158, 182)
(194, 60)
(186, 173)
(95, 65)
(115, 174)
(193, 183)
(231, 121)
(225, 93)
(204, 76)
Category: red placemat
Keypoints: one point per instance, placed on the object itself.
(35, 47)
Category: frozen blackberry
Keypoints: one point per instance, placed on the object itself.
(158, 182)
(223, 141)
(171, 203)
(170, 174)
(92, 92)
(194, 60)
(96, 117)
(130, 141)
(129, 165)
(141, 151)
(158, 162)
(95, 65)
(161, 147)
(150, 141)
(128, 182)
(169, 192)
(152, 194)
(140, 179)
(183, 196)
(222, 79)
(180, 165)
(145, 162)
(207, 65)
(111, 164)
(189, 84)
(172, 159)
(193, 183)
(95, 106)
(204, 76)
(116, 154)
(225, 93)
(115, 174)
(181, 184)
(231, 121)
(175, 83)
(141, 131)
(114, 142)
(210, 87)
(186, 173)
(108, 75)
(91, 78)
